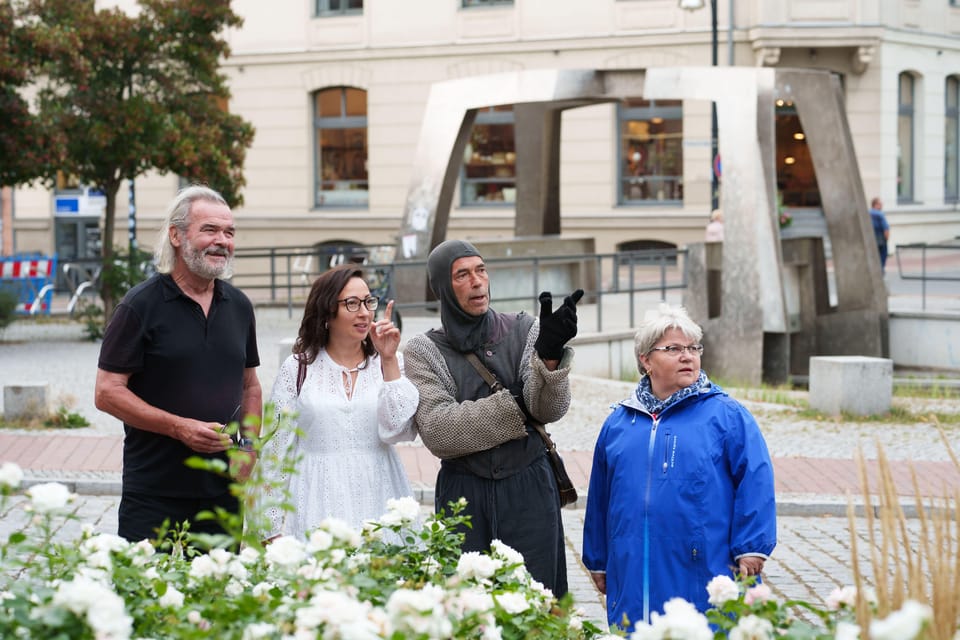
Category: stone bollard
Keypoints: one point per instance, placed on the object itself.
(859, 385)
(25, 402)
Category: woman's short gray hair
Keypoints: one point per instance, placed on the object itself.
(178, 215)
(657, 322)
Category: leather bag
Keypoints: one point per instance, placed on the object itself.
(568, 493)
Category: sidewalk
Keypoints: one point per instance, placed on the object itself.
(805, 485)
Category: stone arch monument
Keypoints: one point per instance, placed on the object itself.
(775, 312)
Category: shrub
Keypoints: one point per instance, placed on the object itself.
(8, 307)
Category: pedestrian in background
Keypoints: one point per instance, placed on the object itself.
(681, 488)
(344, 383)
(489, 452)
(178, 362)
(881, 231)
(715, 227)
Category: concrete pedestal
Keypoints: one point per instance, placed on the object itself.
(855, 384)
(25, 402)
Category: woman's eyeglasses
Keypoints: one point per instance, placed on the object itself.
(353, 304)
(677, 349)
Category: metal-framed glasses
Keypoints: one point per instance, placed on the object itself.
(677, 349)
(353, 303)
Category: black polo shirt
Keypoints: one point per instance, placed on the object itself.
(183, 362)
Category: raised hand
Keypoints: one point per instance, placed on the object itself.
(556, 327)
(385, 335)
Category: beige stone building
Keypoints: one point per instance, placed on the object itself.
(336, 91)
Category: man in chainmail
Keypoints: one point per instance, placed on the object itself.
(489, 455)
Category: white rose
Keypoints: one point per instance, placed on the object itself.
(477, 566)
(172, 598)
(512, 602)
(904, 624)
(506, 552)
(285, 551)
(722, 589)
(752, 628)
(842, 597)
(49, 497)
(319, 540)
(847, 631)
(11, 475)
(406, 509)
(680, 619)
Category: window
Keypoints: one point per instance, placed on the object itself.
(340, 125)
(489, 160)
(905, 98)
(651, 151)
(951, 141)
(796, 178)
(484, 3)
(338, 7)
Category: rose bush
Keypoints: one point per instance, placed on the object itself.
(397, 578)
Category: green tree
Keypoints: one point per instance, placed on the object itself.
(131, 93)
(21, 139)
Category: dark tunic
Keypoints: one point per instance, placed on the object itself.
(190, 365)
(510, 488)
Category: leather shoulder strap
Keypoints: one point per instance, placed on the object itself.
(484, 372)
(301, 373)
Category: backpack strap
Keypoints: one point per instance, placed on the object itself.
(301, 373)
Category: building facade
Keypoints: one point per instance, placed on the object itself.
(336, 91)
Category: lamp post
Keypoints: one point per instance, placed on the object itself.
(694, 5)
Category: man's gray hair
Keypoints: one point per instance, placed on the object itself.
(178, 215)
(657, 322)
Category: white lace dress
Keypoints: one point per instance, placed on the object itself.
(346, 466)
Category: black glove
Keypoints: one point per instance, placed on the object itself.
(516, 390)
(556, 327)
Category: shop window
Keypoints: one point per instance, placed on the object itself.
(324, 8)
(489, 160)
(905, 138)
(340, 130)
(951, 141)
(796, 178)
(651, 151)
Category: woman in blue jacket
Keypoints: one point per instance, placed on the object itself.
(682, 484)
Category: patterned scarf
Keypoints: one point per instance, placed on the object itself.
(655, 405)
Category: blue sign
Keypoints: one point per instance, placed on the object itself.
(66, 205)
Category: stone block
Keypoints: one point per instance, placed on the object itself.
(859, 385)
(25, 401)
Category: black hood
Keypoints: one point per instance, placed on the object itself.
(466, 332)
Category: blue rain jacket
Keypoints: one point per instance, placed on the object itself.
(674, 500)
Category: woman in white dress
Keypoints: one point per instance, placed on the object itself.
(345, 384)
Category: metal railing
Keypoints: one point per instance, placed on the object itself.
(929, 264)
(284, 275)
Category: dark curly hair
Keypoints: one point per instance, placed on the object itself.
(321, 307)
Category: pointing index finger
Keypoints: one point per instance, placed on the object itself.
(546, 304)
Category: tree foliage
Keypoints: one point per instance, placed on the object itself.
(22, 144)
(132, 92)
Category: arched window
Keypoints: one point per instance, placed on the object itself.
(905, 138)
(951, 141)
(651, 151)
(340, 130)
